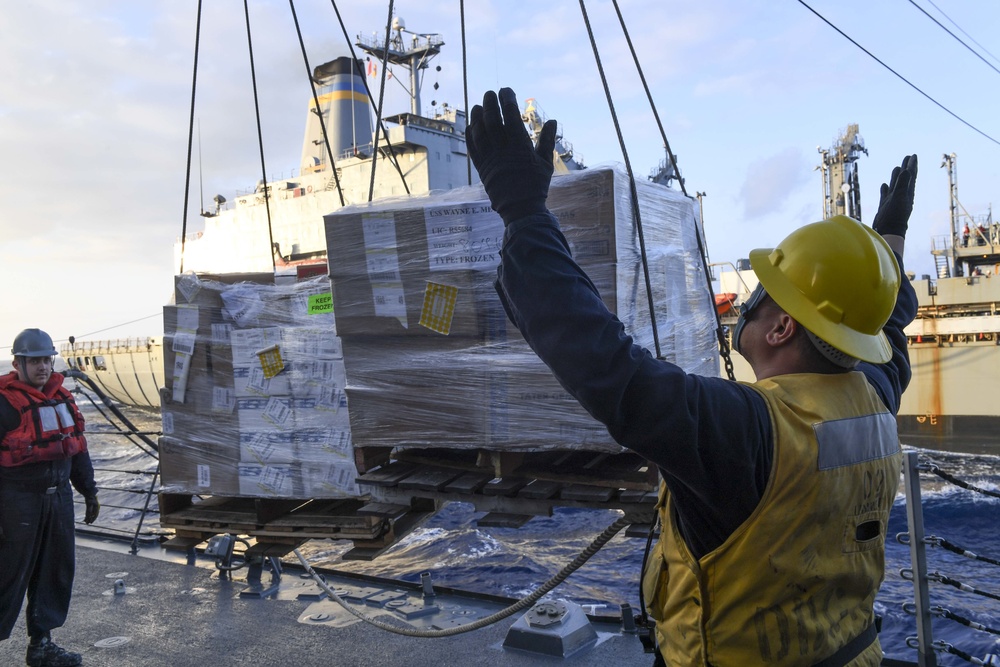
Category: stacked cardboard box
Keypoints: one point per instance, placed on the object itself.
(432, 360)
(237, 423)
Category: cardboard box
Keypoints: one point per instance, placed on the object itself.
(196, 470)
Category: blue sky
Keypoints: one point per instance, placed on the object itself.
(95, 99)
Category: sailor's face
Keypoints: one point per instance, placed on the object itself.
(33, 371)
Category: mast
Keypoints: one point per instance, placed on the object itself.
(407, 49)
(950, 163)
(841, 186)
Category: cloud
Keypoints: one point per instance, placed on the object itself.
(771, 181)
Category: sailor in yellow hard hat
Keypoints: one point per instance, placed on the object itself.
(776, 493)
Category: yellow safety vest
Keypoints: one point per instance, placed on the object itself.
(797, 580)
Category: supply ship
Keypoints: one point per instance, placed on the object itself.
(954, 342)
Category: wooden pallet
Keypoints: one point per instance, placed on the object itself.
(281, 522)
(512, 486)
(408, 485)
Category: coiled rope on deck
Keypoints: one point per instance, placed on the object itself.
(523, 603)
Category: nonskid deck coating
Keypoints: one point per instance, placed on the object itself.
(180, 615)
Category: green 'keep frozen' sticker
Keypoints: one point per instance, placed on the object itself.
(321, 303)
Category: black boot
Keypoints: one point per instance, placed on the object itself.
(45, 653)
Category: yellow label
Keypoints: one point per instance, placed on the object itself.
(270, 361)
(439, 307)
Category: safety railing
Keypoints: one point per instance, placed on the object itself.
(919, 543)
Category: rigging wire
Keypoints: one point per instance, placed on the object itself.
(371, 100)
(260, 136)
(649, 96)
(957, 38)
(381, 96)
(631, 179)
(900, 76)
(699, 229)
(465, 88)
(317, 109)
(187, 178)
(931, 3)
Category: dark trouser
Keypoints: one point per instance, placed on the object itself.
(37, 556)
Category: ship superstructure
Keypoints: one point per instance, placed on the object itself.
(954, 342)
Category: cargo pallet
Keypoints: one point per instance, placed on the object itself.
(406, 486)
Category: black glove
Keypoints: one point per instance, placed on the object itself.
(93, 509)
(515, 174)
(896, 201)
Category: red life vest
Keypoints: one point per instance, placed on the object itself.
(51, 425)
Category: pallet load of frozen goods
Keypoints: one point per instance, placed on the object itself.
(254, 403)
(431, 358)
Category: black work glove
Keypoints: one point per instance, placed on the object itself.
(896, 200)
(93, 509)
(515, 174)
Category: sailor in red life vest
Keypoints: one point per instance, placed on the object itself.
(776, 494)
(42, 451)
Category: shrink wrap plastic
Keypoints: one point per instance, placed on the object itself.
(254, 403)
(271, 386)
(432, 360)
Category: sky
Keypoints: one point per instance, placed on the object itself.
(95, 106)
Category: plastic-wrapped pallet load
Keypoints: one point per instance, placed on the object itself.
(432, 360)
(255, 403)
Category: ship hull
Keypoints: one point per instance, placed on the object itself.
(129, 370)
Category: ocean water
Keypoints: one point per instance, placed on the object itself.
(514, 562)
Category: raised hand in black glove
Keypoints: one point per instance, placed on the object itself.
(516, 174)
(93, 509)
(896, 201)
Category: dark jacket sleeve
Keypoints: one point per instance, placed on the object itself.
(81, 474)
(711, 438)
(891, 378)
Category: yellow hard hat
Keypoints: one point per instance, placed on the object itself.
(837, 278)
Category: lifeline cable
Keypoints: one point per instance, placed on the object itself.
(933, 468)
(937, 576)
(523, 603)
(944, 613)
(954, 548)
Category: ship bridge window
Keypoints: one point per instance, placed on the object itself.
(100, 364)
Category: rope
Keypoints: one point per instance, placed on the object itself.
(260, 136)
(187, 178)
(319, 112)
(936, 576)
(631, 179)
(954, 548)
(381, 97)
(944, 613)
(933, 468)
(371, 101)
(577, 562)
